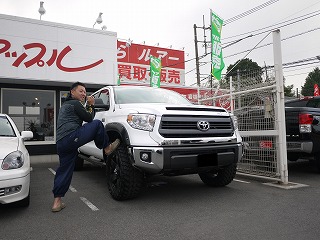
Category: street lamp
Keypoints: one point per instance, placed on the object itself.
(41, 9)
(99, 19)
(127, 41)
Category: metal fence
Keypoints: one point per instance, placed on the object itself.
(254, 105)
(254, 100)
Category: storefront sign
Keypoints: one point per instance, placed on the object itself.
(134, 64)
(55, 58)
(38, 50)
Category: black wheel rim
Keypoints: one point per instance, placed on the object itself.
(114, 171)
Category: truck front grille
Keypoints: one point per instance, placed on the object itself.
(177, 126)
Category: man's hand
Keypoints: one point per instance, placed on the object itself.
(90, 100)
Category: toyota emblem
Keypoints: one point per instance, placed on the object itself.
(203, 125)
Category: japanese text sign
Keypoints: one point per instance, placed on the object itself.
(39, 50)
(134, 64)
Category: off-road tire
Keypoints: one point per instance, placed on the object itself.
(123, 180)
(79, 164)
(219, 178)
(317, 160)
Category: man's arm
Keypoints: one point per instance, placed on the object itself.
(84, 114)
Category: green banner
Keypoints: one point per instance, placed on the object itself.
(119, 80)
(155, 71)
(216, 49)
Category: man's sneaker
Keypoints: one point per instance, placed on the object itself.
(112, 147)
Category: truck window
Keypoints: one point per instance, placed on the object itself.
(105, 96)
(127, 95)
(314, 103)
(298, 103)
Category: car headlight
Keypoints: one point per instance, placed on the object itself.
(13, 160)
(142, 121)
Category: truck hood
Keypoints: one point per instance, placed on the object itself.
(160, 109)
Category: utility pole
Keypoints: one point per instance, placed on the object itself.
(197, 54)
(197, 60)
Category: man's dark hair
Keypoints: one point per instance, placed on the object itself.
(76, 84)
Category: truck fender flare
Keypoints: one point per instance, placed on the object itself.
(114, 129)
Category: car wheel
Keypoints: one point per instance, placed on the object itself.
(123, 180)
(219, 178)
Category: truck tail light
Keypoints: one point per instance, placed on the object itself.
(305, 121)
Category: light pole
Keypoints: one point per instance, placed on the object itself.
(41, 9)
(99, 19)
(127, 41)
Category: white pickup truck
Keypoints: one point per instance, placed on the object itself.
(161, 132)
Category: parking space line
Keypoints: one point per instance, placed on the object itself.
(89, 204)
(72, 189)
(240, 181)
(52, 171)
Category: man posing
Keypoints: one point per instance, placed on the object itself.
(71, 134)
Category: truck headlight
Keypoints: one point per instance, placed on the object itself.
(235, 122)
(13, 160)
(142, 121)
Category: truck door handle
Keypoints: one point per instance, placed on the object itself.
(103, 120)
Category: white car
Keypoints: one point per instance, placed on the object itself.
(14, 164)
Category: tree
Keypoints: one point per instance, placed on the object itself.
(312, 78)
(245, 66)
(288, 91)
(250, 73)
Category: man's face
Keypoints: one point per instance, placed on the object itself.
(79, 93)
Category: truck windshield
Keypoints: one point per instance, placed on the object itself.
(126, 95)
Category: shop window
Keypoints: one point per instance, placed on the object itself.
(63, 96)
(32, 110)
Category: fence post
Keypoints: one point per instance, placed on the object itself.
(238, 83)
(280, 110)
(231, 96)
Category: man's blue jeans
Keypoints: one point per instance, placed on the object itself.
(67, 149)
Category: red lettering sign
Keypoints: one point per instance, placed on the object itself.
(140, 54)
(38, 59)
(134, 64)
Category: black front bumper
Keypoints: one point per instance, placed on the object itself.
(194, 159)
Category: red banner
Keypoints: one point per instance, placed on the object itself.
(316, 90)
(140, 54)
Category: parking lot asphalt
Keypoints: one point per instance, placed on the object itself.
(168, 208)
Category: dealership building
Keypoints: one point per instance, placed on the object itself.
(40, 60)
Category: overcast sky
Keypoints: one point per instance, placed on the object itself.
(170, 22)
